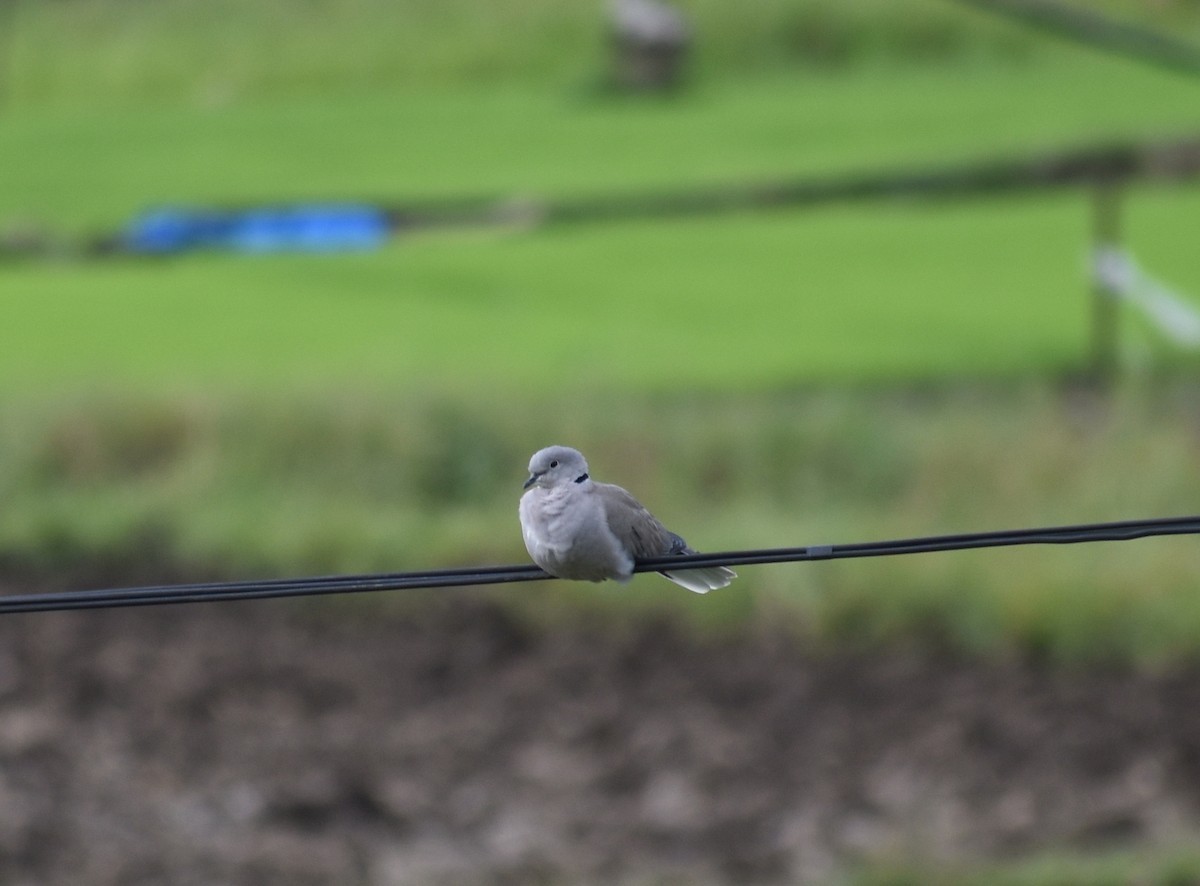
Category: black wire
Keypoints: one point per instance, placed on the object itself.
(1089, 532)
(1087, 26)
(440, 578)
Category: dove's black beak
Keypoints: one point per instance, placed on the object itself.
(533, 478)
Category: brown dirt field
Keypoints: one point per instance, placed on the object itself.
(290, 743)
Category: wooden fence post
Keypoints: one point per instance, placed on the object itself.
(1106, 235)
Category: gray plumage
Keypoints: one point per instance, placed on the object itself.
(577, 528)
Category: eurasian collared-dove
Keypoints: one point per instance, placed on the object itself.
(577, 528)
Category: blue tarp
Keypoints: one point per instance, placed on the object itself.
(329, 228)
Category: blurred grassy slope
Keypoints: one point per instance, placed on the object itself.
(853, 295)
(243, 486)
(904, 289)
(103, 52)
(94, 167)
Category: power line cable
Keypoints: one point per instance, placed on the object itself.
(1093, 28)
(441, 578)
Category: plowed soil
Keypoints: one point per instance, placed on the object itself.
(264, 743)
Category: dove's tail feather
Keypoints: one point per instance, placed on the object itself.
(701, 581)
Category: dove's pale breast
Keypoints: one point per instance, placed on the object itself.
(566, 533)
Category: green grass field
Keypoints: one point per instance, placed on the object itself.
(715, 303)
(97, 52)
(98, 166)
(257, 485)
(866, 292)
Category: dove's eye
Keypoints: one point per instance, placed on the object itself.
(554, 464)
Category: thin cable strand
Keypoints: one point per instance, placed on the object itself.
(206, 592)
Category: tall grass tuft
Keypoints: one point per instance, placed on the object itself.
(378, 481)
(100, 51)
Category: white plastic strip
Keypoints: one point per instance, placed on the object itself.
(1115, 271)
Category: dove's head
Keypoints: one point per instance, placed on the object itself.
(556, 465)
